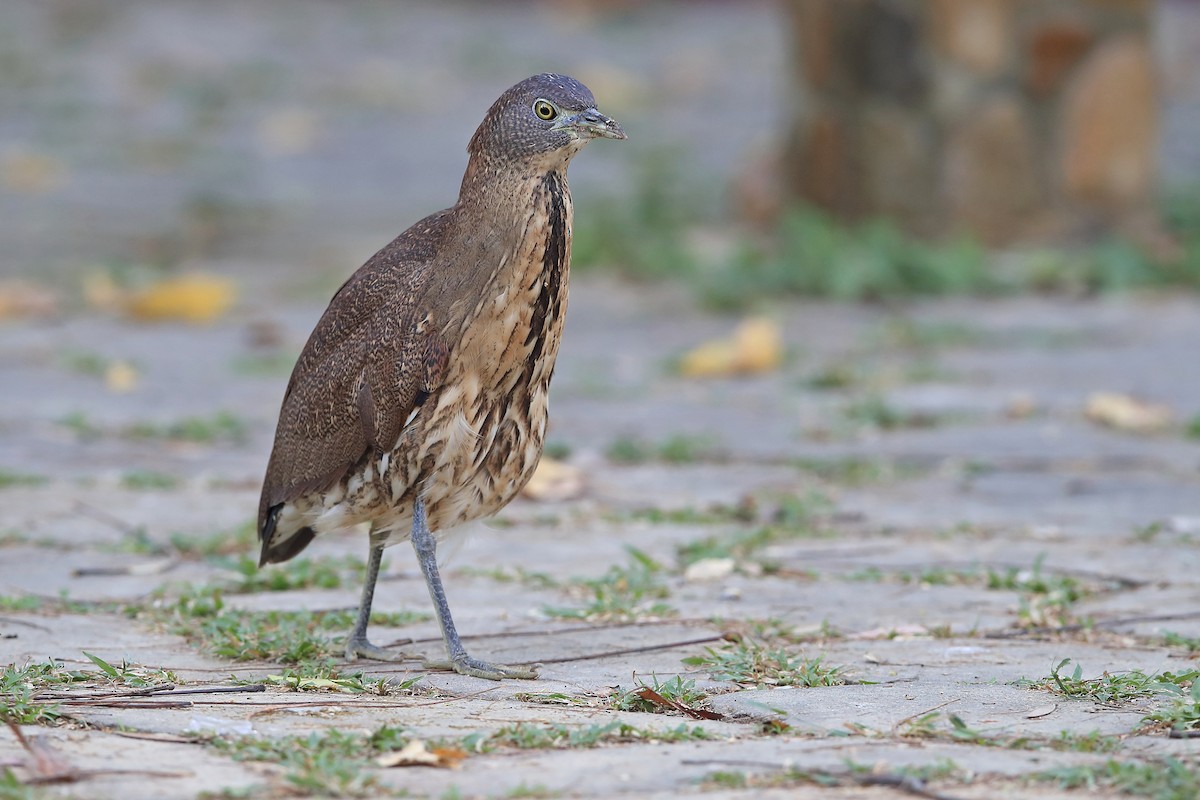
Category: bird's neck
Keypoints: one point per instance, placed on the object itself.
(507, 194)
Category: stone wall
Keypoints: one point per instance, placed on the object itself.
(1013, 119)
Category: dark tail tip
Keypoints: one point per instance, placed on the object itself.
(274, 552)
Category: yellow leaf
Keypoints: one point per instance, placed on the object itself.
(415, 754)
(755, 346)
(120, 377)
(1127, 413)
(554, 481)
(195, 298)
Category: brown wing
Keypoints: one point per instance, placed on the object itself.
(371, 360)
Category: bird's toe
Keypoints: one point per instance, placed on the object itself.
(357, 648)
(478, 668)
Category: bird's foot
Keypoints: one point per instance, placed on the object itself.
(465, 665)
(358, 647)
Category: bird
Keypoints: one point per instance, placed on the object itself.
(420, 399)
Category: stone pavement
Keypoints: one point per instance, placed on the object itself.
(915, 499)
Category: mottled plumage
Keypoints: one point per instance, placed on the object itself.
(420, 399)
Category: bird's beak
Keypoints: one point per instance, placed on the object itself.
(591, 123)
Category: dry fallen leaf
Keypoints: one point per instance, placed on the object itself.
(653, 697)
(24, 299)
(755, 346)
(1127, 413)
(194, 297)
(121, 377)
(554, 481)
(709, 569)
(415, 754)
(1042, 711)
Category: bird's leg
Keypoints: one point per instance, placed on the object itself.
(356, 644)
(426, 547)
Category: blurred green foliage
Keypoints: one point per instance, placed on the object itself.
(669, 228)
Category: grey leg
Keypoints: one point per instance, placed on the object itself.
(426, 547)
(356, 644)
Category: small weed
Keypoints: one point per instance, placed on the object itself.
(913, 334)
(267, 365)
(834, 376)
(27, 693)
(1109, 687)
(752, 664)
(299, 573)
(523, 790)
(1147, 533)
(794, 517)
(676, 449)
(726, 779)
(559, 451)
(10, 602)
(1183, 711)
(329, 764)
(859, 471)
(143, 479)
(1189, 643)
(1046, 600)
(813, 255)
(9, 479)
(19, 688)
(943, 769)
(514, 574)
(286, 637)
(627, 450)
(326, 678)
(1168, 779)
(85, 362)
(866, 575)
(78, 423)
(675, 690)
(1192, 428)
(1093, 742)
(532, 736)
(557, 699)
(713, 515)
(644, 233)
(223, 426)
(623, 593)
(230, 542)
(873, 411)
(13, 788)
(684, 449)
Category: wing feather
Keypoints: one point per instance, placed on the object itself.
(369, 362)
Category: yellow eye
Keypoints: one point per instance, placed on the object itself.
(545, 110)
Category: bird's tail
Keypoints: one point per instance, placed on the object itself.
(279, 546)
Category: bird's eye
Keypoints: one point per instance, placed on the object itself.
(545, 110)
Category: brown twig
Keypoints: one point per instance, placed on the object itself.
(26, 623)
(911, 717)
(1078, 626)
(629, 650)
(903, 783)
(166, 687)
(1177, 734)
(644, 623)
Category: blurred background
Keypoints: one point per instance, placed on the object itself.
(774, 146)
(226, 163)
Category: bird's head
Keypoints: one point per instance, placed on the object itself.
(546, 115)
